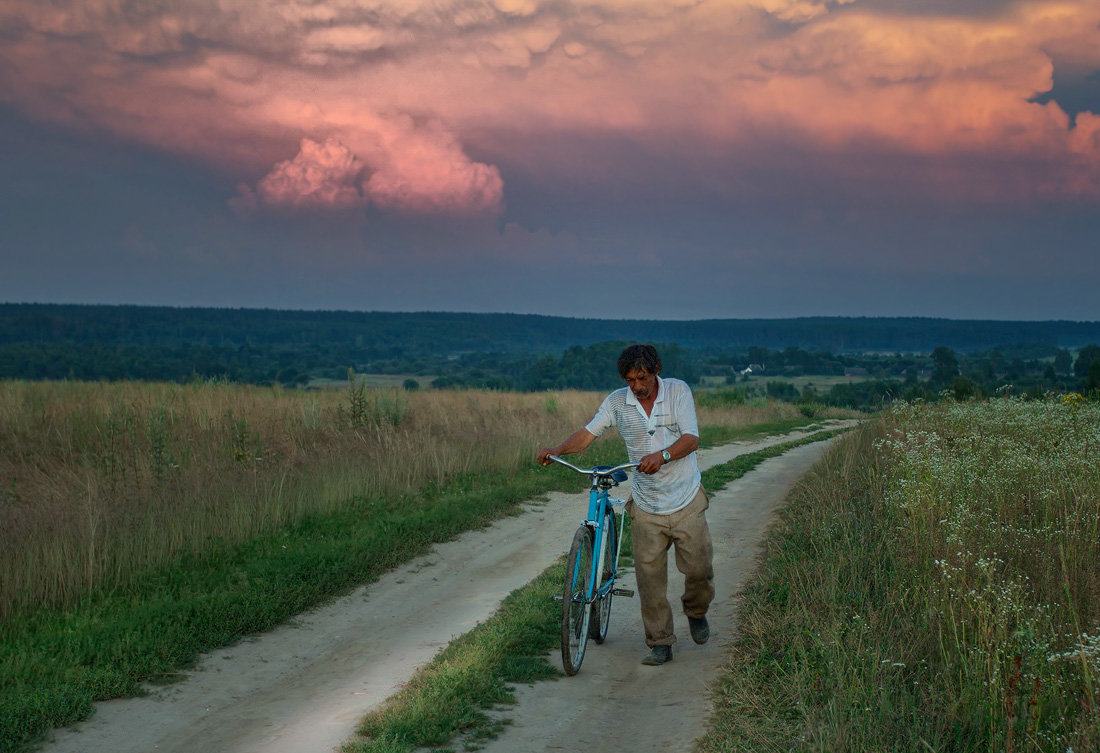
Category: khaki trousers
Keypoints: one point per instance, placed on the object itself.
(687, 530)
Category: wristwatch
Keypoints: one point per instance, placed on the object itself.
(666, 455)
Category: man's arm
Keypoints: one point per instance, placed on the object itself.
(681, 448)
(577, 442)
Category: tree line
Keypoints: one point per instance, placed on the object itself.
(379, 334)
(300, 349)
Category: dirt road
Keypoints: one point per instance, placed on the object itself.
(303, 687)
(615, 703)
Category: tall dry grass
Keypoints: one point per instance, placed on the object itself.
(98, 480)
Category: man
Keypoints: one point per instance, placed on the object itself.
(656, 419)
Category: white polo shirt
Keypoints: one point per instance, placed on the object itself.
(674, 486)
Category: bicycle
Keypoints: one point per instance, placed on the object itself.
(592, 566)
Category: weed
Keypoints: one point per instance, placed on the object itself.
(357, 410)
(159, 433)
(810, 409)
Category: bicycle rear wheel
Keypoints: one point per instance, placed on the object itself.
(601, 607)
(574, 605)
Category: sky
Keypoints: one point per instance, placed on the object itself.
(671, 159)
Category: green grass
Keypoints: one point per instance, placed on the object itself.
(450, 697)
(718, 476)
(394, 381)
(933, 586)
(818, 381)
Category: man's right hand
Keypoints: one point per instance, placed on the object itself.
(577, 442)
(651, 463)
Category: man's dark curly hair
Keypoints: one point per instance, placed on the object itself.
(639, 357)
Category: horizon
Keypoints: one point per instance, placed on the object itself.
(537, 314)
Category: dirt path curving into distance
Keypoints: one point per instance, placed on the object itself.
(303, 687)
(617, 704)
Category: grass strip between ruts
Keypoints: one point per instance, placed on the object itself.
(56, 663)
(452, 695)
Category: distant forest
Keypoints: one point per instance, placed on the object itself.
(528, 352)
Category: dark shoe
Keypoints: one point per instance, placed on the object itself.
(658, 656)
(700, 630)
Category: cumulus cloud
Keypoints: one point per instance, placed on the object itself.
(321, 176)
(420, 171)
(425, 170)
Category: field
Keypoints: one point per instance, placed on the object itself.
(98, 480)
(392, 381)
(933, 585)
(820, 382)
(102, 480)
(143, 524)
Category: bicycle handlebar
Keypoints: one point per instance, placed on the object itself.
(600, 471)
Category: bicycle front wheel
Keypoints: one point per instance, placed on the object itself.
(574, 605)
(601, 606)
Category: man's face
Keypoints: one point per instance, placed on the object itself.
(642, 383)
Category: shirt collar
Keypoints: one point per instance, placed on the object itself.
(632, 399)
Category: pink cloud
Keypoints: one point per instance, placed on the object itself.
(425, 170)
(419, 171)
(321, 176)
(345, 105)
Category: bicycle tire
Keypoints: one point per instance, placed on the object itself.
(575, 612)
(601, 608)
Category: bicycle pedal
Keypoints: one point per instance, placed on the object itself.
(622, 592)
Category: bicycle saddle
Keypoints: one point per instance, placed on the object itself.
(617, 477)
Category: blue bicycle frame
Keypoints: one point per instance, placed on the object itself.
(590, 575)
(599, 501)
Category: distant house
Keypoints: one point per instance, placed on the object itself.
(752, 368)
(855, 371)
(916, 373)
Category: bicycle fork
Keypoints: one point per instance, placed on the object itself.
(599, 566)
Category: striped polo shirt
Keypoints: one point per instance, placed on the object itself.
(674, 486)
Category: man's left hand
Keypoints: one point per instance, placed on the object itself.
(651, 463)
